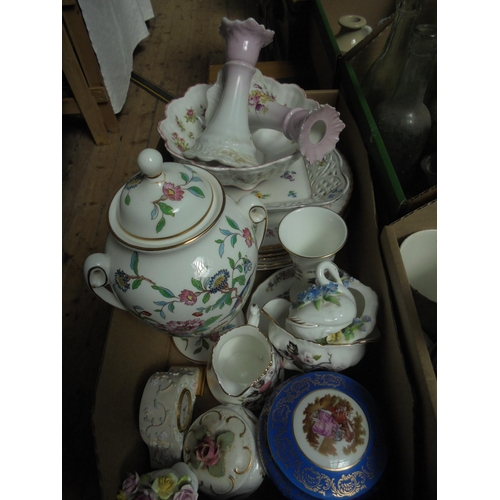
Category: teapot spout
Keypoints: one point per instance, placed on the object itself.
(253, 315)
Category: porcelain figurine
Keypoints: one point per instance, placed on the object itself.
(181, 255)
(221, 449)
(244, 367)
(227, 138)
(175, 483)
(165, 413)
(353, 29)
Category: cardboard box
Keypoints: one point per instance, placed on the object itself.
(134, 351)
(346, 71)
(421, 371)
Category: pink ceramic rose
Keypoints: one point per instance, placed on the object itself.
(207, 452)
(186, 493)
(325, 424)
(131, 484)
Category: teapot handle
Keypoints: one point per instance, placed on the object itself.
(96, 272)
(258, 215)
(331, 268)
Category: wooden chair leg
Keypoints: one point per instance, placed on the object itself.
(77, 32)
(84, 98)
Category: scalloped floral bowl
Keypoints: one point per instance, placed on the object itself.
(187, 117)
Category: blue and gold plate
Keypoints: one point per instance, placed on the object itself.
(325, 435)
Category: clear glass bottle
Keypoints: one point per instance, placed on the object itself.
(404, 121)
(380, 80)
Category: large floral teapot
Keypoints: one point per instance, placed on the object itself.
(181, 255)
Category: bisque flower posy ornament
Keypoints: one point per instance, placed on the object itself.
(176, 483)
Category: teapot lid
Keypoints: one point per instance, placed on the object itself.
(165, 204)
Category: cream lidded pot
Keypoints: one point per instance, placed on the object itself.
(181, 256)
(353, 29)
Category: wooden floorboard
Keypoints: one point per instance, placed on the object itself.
(183, 43)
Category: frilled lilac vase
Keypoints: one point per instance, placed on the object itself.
(227, 139)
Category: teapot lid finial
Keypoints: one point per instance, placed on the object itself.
(150, 162)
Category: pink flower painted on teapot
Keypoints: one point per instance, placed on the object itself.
(172, 192)
(247, 235)
(188, 297)
(181, 328)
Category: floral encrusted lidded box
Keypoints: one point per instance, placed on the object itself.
(221, 449)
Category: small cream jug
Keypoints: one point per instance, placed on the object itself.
(244, 367)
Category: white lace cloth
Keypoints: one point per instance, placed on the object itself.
(115, 28)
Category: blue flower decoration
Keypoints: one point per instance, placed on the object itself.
(317, 292)
(219, 281)
(122, 280)
(247, 266)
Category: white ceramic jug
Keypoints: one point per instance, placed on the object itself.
(244, 367)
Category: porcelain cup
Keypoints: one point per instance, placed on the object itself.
(311, 235)
(419, 254)
(244, 367)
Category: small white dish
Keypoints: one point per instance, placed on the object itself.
(328, 184)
